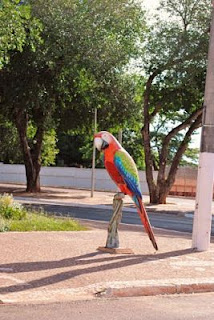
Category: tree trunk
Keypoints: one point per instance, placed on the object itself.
(159, 190)
(163, 193)
(164, 184)
(146, 139)
(33, 176)
(153, 194)
(31, 155)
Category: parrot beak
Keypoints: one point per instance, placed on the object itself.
(104, 145)
(100, 143)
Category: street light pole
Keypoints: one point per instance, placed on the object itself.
(203, 210)
(120, 136)
(94, 156)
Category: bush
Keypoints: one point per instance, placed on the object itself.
(10, 209)
(4, 226)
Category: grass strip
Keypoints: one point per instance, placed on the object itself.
(40, 222)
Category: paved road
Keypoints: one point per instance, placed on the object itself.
(177, 307)
(159, 220)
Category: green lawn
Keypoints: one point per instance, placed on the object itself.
(40, 222)
(15, 217)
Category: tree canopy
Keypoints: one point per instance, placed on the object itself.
(17, 28)
(76, 65)
(175, 65)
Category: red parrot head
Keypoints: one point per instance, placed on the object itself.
(104, 139)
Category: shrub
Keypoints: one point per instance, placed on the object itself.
(10, 209)
(4, 226)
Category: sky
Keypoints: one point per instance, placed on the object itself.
(151, 4)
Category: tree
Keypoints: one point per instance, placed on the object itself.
(21, 29)
(121, 109)
(11, 152)
(190, 158)
(85, 46)
(175, 63)
(74, 149)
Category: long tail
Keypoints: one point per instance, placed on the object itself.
(145, 220)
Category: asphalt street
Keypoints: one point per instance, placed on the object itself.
(159, 220)
(176, 307)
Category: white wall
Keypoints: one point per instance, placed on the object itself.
(185, 183)
(65, 177)
(12, 173)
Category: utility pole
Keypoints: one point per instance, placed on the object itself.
(203, 210)
(94, 156)
(120, 136)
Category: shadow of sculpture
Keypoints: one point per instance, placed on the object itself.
(105, 263)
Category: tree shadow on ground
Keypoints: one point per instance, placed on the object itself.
(114, 262)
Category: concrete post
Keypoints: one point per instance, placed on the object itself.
(203, 214)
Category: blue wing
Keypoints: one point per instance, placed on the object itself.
(127, 169)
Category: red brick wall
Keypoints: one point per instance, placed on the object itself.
(185, 182)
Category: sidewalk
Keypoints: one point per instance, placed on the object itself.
(175, 205)
(40, 267)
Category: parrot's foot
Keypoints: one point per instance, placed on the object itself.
(119, 196)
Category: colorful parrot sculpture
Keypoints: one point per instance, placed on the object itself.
(123, 171)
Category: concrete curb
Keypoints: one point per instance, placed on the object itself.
(168, 287)
(112, 290)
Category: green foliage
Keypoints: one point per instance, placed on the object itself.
(49, 149)
(132, 142)
(190, 158)
(191, 14)
(4, 225)
(11, 152)
(78, 65)
(176, 49)
(74, 149)
(20, 30)
(10, 209)
(89, 59)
